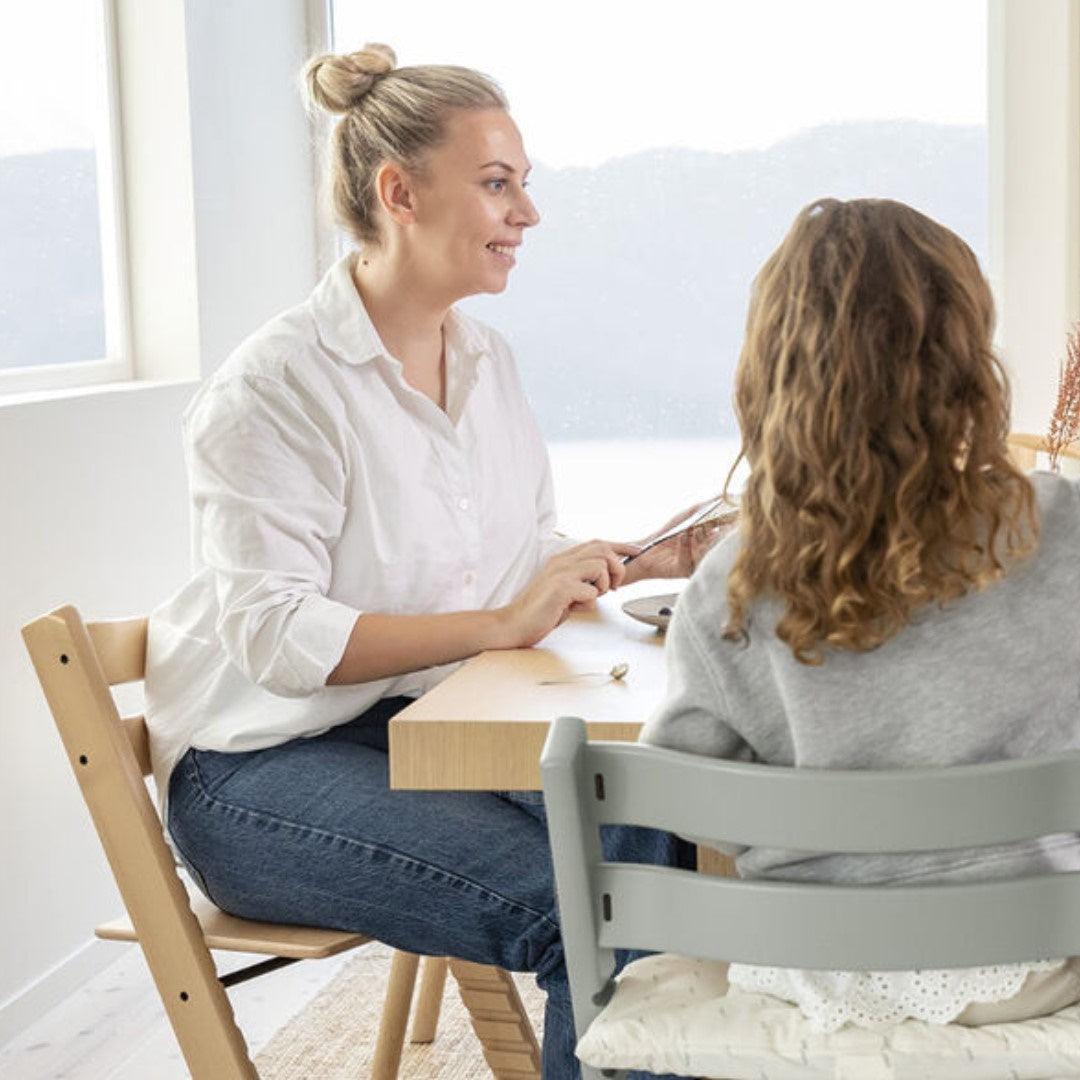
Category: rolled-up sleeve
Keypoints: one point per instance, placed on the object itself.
(551, 540)
(268, 486)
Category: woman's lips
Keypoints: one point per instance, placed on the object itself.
(503, 252)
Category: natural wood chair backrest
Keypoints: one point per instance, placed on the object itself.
(76, 666)
(120, 645)
(1025, 449)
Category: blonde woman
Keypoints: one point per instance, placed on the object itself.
(372, 503)
(897, 594)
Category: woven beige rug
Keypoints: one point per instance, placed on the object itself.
(333, 1037)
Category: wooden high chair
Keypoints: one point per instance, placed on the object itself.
(77, 664)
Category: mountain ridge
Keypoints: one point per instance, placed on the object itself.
(627, 307)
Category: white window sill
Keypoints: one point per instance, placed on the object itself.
(127, 386)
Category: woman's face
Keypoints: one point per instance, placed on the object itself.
(471, 208)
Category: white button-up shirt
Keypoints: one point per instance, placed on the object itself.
(324, 486)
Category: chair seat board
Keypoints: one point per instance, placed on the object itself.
(224, 931)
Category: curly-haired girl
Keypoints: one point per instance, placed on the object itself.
(897, 593)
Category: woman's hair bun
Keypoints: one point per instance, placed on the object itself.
(336, 82)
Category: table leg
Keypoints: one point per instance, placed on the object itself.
(395, 1015)
(429, 1000)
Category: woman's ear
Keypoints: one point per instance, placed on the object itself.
(396, 191)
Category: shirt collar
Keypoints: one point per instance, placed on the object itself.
(346, 329)
(465, 336)
(342, 322)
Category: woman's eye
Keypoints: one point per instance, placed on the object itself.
(496, 185)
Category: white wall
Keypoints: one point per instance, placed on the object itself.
(93, 497)
(92, 488)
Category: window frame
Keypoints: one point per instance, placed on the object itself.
(117, 363)
(176, 320)
(1034, 119)
(1033, 108)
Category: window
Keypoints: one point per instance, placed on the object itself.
(670, 154)
(62, 319)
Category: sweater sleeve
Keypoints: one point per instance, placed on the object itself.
(694, 715)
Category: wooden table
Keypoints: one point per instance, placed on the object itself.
(483, 727)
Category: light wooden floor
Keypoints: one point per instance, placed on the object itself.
(114, 1028)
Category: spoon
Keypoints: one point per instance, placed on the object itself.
(616, 674)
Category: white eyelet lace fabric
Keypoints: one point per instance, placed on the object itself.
(830, 999)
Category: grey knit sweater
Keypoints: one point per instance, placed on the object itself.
(993, 675)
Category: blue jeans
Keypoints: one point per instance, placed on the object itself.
(309, 832)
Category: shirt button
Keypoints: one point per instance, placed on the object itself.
(463, 503)
(470, 577)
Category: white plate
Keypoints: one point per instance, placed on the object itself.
(654, 610)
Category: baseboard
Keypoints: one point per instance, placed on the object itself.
(20, 1010)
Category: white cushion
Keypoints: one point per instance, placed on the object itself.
(672, 1014)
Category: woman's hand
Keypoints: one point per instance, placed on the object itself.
(575, 576)
(679, 556)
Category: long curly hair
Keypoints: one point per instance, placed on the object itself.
(874, 415)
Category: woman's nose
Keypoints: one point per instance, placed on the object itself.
(525, 213)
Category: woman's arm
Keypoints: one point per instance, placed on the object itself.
(679, 556)
(381, 646)
(269, 491)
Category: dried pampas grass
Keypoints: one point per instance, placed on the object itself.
(1065, 420)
